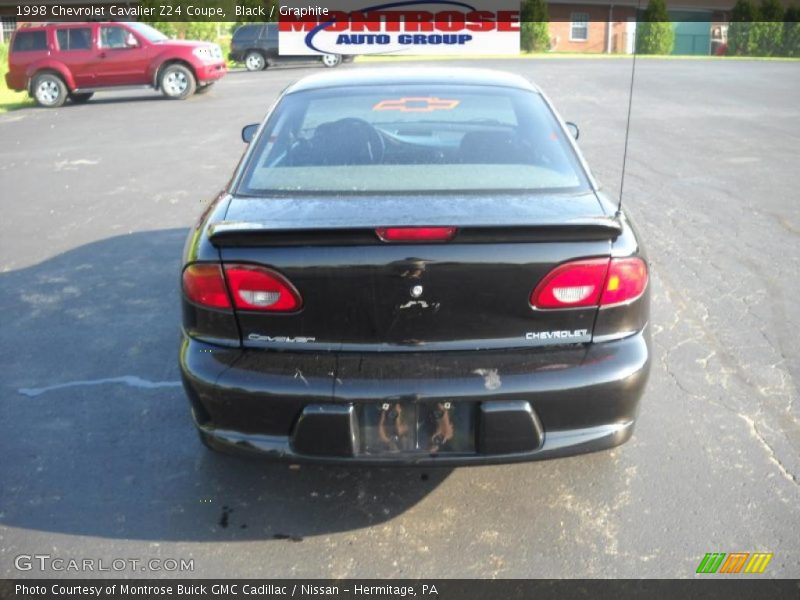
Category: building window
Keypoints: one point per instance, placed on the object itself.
(579, 28)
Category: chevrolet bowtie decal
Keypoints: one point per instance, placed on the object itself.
(417, 104)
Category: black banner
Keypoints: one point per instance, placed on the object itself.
(273, 10)
(372, 589)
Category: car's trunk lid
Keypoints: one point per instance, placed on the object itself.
(362, 294)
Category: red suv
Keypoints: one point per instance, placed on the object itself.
(57, 61)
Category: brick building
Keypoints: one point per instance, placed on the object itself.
(609, 26)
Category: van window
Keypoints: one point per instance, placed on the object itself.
(113, 37)
(26, 41)
(247, 33)
(74, 39)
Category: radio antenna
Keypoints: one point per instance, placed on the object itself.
(630, 109)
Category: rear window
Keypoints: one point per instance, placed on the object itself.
(248, 32)
(25, 41)
(74, 39)
(412, 139)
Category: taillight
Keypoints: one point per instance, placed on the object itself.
(259, 288)
(592, 282)
(416, 234)
(204, 284)
(627, 278)
(572, 285)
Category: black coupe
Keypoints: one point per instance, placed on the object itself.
(414, 267)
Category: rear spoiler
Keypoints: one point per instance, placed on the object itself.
(240, 233)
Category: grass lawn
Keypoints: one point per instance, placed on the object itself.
(9, 100)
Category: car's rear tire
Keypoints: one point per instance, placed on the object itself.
(331, 60)
(80, 97)
(203, 89)
(49, 90)
(255, 61)
(177, 82)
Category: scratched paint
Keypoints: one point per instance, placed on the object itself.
(491, 379)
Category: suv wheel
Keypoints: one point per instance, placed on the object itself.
(331, 60)
(80, 97)
(177, 82)
(49, 90)
(255, 61)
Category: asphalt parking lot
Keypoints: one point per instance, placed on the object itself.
(99, 458)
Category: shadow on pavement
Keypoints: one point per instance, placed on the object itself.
(143, 96)
(120, 459)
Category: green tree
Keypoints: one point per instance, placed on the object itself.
(791, 32)
(654, 34)
(740, 31)
(768, 29)
(535, 33)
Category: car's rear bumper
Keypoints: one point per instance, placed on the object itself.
(557, 444)
(527, 404)
(207, 73)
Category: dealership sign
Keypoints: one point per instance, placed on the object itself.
(403, 27)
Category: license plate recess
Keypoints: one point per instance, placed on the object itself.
(391, 428)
